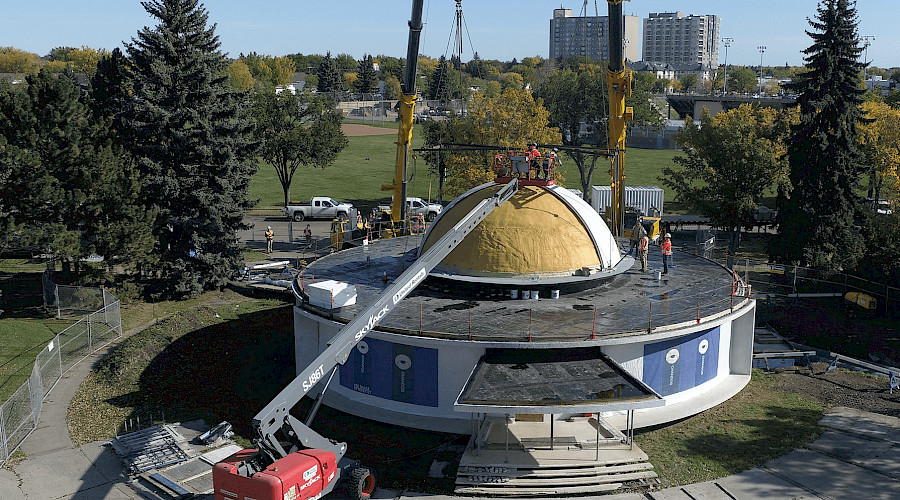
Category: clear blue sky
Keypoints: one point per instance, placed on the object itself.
(499, 29)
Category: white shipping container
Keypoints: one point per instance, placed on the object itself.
(647, 199)
(329, 294)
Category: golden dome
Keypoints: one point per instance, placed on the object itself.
(538, 231)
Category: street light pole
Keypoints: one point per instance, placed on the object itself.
(727, 41)
(762, 48)
(867, 40)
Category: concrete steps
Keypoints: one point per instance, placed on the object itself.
(517, 459)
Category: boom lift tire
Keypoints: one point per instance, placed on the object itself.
(361, 484)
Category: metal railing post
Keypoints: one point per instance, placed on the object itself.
(506, 422)
(90, 338)
(3, 445)
(58, 352)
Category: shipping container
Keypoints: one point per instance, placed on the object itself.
(646, 199)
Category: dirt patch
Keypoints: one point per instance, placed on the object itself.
(356, 129)
(840, 388)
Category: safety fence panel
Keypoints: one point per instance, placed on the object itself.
(783, 280)
(19, 414)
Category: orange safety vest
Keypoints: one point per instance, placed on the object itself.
(666, 247)
(307, 232)
(270, 235)
(643, 244)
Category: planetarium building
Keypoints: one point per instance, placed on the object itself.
(536, 311)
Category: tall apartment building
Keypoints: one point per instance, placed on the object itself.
(568, 34)
(672, 37)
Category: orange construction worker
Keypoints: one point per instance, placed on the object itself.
(666, 248)
(536, 158)
(307, 233)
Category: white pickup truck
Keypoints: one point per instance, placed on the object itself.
(418, 206)
(319, 207)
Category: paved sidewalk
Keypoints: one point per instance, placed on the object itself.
(54, 467)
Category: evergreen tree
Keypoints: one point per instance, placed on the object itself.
(367, 79)
(111, 91)
(815, 219)
(475, 67)
(73, 190)
(194, 147)
(439, 83)
(330, 77)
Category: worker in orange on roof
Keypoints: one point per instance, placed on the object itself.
(535, 163)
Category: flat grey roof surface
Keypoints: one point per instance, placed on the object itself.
(550, 377)
(624, 305)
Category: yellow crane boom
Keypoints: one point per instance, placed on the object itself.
(407, 109)
(618, 79)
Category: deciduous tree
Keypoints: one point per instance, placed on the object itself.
(729, 161)
(880, 140)
(296, 130)
(572, 98)
(13, 60)
(81, 60)
(689, 82)
(741, 79)
(512, 120)
(239, 76)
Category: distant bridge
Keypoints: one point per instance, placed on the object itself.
(692, 104)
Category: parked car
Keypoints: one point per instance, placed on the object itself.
(319, 207)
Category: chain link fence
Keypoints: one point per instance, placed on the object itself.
(20, 413)
(783, 281)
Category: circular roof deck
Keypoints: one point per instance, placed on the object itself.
(617, 307)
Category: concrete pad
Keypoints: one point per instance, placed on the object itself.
(116, 492)
(850, 447)
(833, 478)
(56, 474)
(761, 484)
(868, 424)
(670, 494)
(104, 460)
(9, 484)
(887, 464)
(705, 491)
(624, 496)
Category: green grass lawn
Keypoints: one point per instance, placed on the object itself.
(643, 167)
(757, 425)
(22, 340)
(355, 176)
(368, 162)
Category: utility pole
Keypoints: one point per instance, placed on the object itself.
(728, 41)
(762, 49)
(867, 40)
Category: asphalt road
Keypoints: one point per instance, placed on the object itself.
(284, 228)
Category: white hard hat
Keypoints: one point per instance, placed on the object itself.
(668, 235)
(268, 227)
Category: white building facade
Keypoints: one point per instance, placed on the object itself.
(589, 36)
(676, 38)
